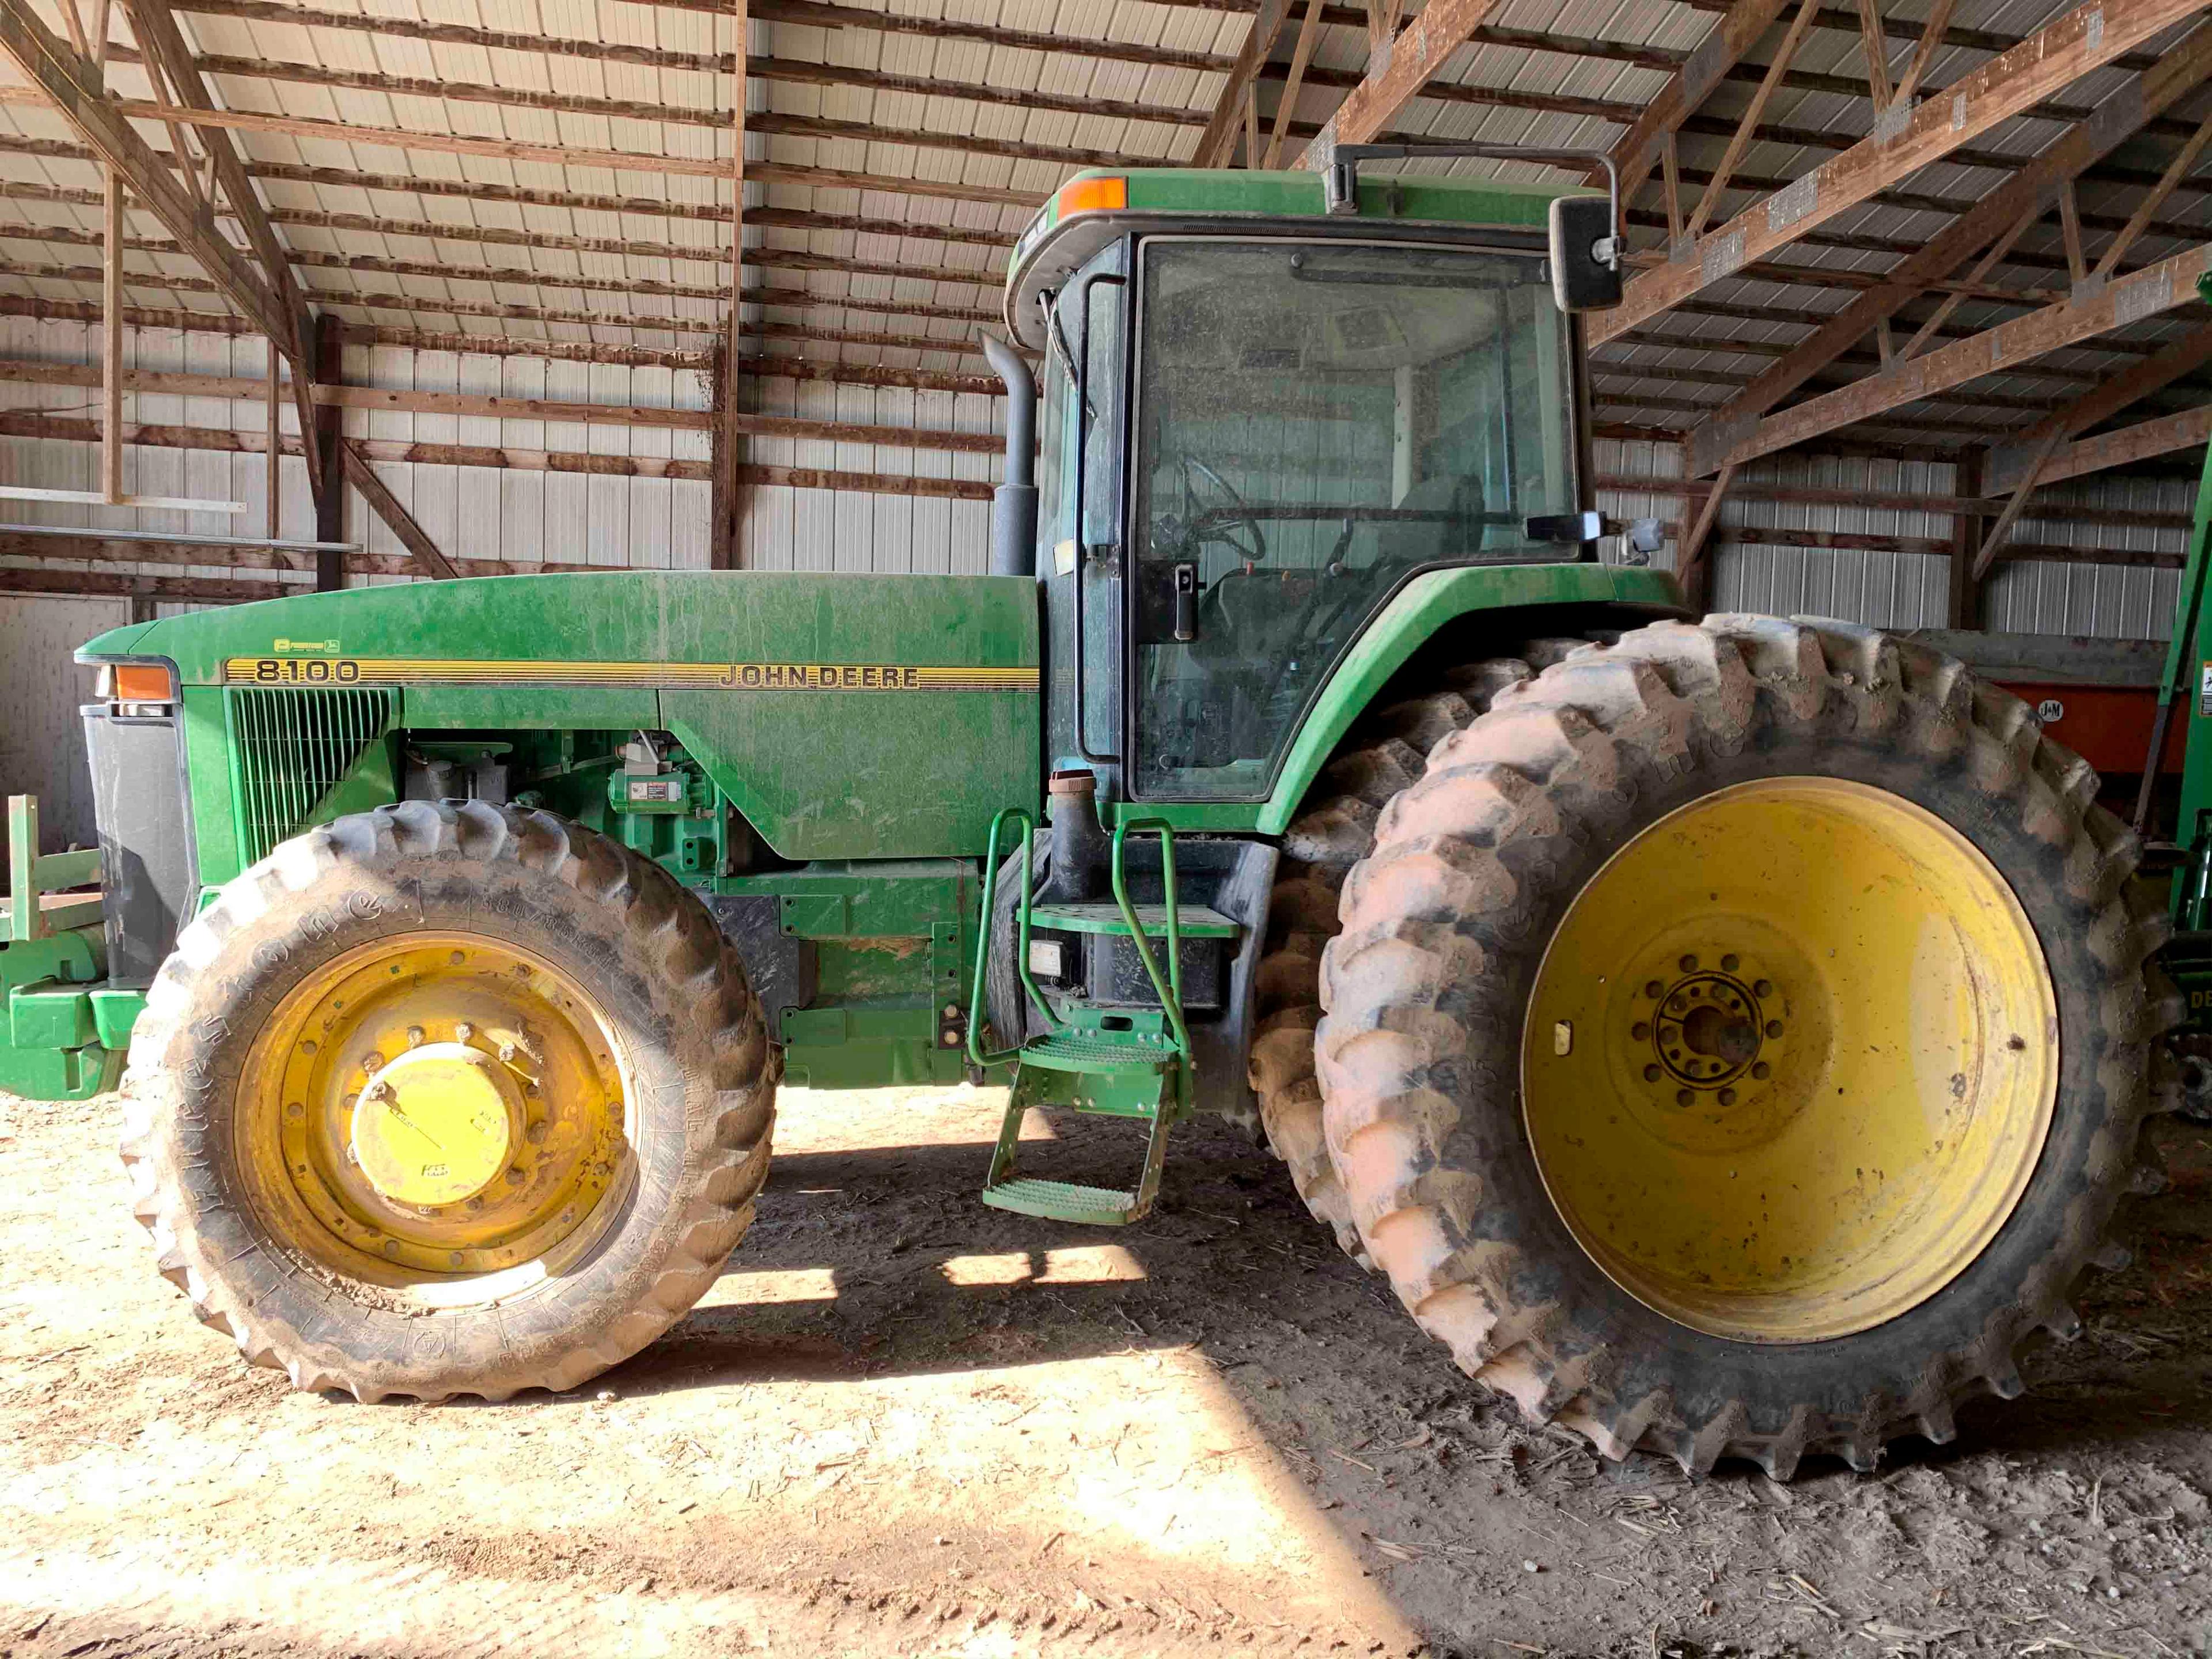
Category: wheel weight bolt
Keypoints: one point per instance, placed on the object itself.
(1689, 964)
(1762, 1071)
(1727, 1096)
(1652, 989)
(1731, 962)
(1774, 1028)
(1639, 1030)
(1651, 1074)
(1762, 988)
(1683, 1096)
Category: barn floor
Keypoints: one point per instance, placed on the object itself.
(906, 1425)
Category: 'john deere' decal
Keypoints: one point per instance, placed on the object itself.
(735, 676)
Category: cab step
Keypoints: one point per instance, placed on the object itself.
(1062, 1201)
(1114, 1061)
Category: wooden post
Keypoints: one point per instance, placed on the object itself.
(275, 438)
(110, 335)
(1967, 530)
(326, 438)
(727, 506)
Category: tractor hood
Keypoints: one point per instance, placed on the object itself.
(848, 717)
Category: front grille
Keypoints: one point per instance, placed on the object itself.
(291, 746)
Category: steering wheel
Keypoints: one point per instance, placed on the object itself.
(1252, 544)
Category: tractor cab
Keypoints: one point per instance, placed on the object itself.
(1260, 419)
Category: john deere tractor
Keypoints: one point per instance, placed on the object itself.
(1730, 1036)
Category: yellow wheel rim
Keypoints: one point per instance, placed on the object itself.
(1790, 1060)
(429, 1110)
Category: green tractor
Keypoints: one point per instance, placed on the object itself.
(1730, 1036)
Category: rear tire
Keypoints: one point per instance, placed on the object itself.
(1433, 1130)
(599, 1153)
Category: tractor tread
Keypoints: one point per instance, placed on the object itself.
(1417, 1102)
(286, 1315)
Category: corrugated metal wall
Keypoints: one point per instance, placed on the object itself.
(41, 740)
(1902, 590)
(788, 528)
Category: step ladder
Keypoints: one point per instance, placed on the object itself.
(1117, 1063)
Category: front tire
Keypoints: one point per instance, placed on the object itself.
(1948, 960)
(447, 1098)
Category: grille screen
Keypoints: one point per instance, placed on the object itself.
(291, 746)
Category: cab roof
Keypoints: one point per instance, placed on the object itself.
(1096, 206)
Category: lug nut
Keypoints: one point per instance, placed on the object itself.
(1762, 988)
(455, 958)
(414, 1036)
(1652, 988)
(372, 1062)
(508, 1052)
(1762, 1071)
(1774, 1028)
(1683, 1096)
(1639, 1030)
(1727, 1096)
(1689, 964)
(1651, 1074)
(1731, 962)
(514, 1175)
(294, 1110)
(464, 1031)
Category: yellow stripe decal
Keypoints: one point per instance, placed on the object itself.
(735, 676)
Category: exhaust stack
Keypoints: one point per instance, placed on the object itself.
(1014, 503)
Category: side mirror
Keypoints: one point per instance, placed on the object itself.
(1585, 253)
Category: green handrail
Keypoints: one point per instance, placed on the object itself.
(1169, 989)
(977, 1007)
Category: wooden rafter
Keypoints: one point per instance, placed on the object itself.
(1749, 124)
(2009, 467)
(1301, 60)
(2081, 40)
(428, 560)
(1397, 71)
(1217, 142)
(2143, 293)
(2147, 210)
(163, 43)
(1999, 216)
(71, 83)
(725, 512)
(1931, 41)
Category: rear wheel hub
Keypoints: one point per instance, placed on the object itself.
(1791, 1058)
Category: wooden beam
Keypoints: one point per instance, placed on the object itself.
(2004, 212)
(2183, 356)
(325, 435)
(197, 590)
(2081, 40)
(1923, 53)
(1965, 607)
(1301, 60)
(1397, 73)
(272, 474)
(1638, 149)
(1874, 44)
(110, 335)
(2166, 435)
(725, 510)
(2147, 210)
(1219, 140)
(1791, 39)
(163, 43)
(1692, 566)
(73, 85)
(429, 561)
(2144, 293)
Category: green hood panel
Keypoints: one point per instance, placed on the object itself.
(847, 717)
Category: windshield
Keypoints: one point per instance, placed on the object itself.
(1317, 422)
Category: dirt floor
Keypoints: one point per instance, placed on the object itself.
(906, 1425)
